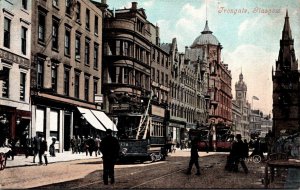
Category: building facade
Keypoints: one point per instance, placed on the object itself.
(135, 75)
(15, 48)
(286, 90)
(244, 107)
(219, 82)
(65, 69)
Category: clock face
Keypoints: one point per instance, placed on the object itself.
(239, 94)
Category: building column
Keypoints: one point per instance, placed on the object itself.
(47, 131)
(32, 131)
(71, 125)
(61, 131)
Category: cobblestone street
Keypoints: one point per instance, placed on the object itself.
(87, 173)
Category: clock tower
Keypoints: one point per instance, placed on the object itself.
(241, 91)
(286, 85)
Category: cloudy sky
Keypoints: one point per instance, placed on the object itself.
(249, 31)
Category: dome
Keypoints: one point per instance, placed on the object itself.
(205, 38)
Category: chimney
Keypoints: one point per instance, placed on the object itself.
(103, 1)
(134, 5)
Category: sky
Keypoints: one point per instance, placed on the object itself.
(248, 30)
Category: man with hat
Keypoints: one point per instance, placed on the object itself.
(238, 153)
(109, 148)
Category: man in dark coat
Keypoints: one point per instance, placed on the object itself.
(36, 147)
(43, 149)
(110, 148)
(194, 158)
(239, 153)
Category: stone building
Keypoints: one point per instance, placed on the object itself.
(286, 89)
(15, 48)
(219, 82)
(66, 70)
(241, 117)
(188, 90)
(135, 75)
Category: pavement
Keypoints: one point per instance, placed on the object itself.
(21, 160)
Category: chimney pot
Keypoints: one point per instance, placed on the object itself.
(134, 5)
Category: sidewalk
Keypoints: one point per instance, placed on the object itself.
(20, 160)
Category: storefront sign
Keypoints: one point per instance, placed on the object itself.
(158, 111)
(14, 58)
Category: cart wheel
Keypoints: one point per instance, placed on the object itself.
(152, 157)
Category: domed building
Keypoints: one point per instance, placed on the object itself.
(205, 38)
(218, 77)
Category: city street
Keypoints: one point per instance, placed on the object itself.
(87, 173)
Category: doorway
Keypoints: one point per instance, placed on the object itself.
(67, 132)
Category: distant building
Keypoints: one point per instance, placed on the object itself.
(286, 86)
(241, 108)
(15, 49)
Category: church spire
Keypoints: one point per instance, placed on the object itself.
(286, 58)
(286, 32)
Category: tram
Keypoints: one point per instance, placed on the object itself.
(213, 137)
(140, 138)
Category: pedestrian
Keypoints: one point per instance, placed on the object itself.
(97, 145)
(238, 153)
(72, 143)
(36, 147)
(109, 148)
(91, 145)
(77, 144)
(194, 158)
(52, 148)
(43, 149)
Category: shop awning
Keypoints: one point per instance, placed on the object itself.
(90, 117)
(105, 120)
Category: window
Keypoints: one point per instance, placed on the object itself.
(5, 83)
(22, 86)
(95, 86)
(140, 26)
(86, 88)
(153, 73)
(118, 47)
(76, 88)
(54, 77)
(77, 12)
(42, 27)
(96, 48)
(55, 3)
(126, 75)
(67, 41)
(157, 75)
(40, 71)
(77, 47)
(6, 37)
(87, 52)
(55, 25)
(96, 24)
(24, 4)
(68, 7)
(87, 19)
(66, 81)
(162, 78)
(167, 81)
(23, 39)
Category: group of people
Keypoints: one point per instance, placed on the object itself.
(87, 145)
(39, 148)
(238, 153)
